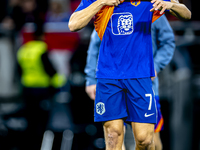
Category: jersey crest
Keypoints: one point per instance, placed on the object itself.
(135, 2)
(100, 108)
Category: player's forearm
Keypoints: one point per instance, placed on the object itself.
(180, 11)
(175, 8)
(80, 19)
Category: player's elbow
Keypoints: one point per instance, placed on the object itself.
(72, 23)
(185, 16)
(72, 26)
(188, 16)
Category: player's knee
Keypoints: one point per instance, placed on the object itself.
(113, 135)
(144, 140)
(113, 138)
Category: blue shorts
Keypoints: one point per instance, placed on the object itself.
(159, 126)
(130, 99)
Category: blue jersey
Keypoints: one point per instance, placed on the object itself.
(126, 47)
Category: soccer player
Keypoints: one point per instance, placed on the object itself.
(125, 65)
(163, 49)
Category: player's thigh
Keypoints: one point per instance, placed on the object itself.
(114, 128)
(143, 131)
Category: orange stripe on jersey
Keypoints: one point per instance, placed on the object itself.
(156, 15)
(102, 18)
(159, 126)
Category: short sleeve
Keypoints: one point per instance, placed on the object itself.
(84, 4)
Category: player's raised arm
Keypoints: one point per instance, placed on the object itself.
(80, 19)
(175, 8)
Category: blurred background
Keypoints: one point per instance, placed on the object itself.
(31, 118)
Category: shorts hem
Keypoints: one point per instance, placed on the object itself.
(109, 119)
(139, 121)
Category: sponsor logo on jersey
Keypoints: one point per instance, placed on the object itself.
(122, 23)
(135, 2)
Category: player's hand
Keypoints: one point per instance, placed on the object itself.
(91, 91)
(161, 5)
(111, 2)
(153, 78)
